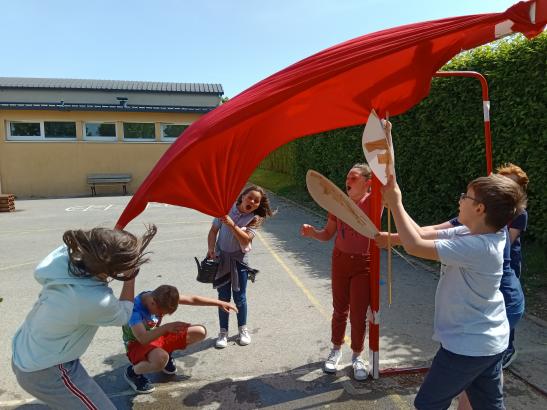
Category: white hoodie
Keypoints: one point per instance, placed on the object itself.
(66, 316)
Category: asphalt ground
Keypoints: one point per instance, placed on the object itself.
(289, 317)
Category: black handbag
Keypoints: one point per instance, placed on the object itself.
(207, 270)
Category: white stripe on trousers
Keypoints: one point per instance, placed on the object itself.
(77, 392)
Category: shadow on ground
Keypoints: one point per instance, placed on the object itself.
(303, 387)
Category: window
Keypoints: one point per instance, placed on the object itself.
(100, 131)
(169, 132)
(59, 129)
(24, 129)
(41, 130)
(139, 131)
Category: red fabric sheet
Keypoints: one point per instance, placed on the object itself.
(389, 70)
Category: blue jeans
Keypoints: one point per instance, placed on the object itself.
(240, 300)
(451, 373)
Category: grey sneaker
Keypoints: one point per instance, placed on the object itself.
(331, 364)
(359, 369)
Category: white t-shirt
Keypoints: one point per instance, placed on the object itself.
(470, 314)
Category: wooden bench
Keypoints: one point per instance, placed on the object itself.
(108, 179)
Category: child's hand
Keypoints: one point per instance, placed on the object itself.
(391, 194)
(175, 327)
(387, 126)
(306, 231)
(227, 221)
(228, 307)
(381, 240)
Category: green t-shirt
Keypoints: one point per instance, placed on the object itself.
(142, 315)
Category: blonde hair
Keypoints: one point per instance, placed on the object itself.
(511, 169)
(364, 169)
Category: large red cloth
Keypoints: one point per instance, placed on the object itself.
(389, 70)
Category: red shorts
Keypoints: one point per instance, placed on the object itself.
(169, 342)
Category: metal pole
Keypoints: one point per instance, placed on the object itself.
(376, 198)
(485, 107)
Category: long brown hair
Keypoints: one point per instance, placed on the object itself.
(116, 253)
(264, 208)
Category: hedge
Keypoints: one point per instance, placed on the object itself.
(439, 144)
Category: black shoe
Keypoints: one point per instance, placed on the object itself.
(170, 367)
(138, 382)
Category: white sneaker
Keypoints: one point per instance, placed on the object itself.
(331, 364)
(359, 369)
(222, 340)
(244, 336)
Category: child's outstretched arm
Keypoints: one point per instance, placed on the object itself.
(324, 234)
(195, 300)
(409, 235)
(425, 233)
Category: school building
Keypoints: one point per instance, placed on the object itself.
(54, 133)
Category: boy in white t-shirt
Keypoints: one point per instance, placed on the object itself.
(470, 321)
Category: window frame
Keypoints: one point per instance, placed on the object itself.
(100, 139)
(139, 140)
(171, 139)
(42, 136)
(10, 137)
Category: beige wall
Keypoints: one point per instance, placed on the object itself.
(51, 168)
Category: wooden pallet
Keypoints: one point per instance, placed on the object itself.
(7, 203)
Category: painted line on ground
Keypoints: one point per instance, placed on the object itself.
(295, 278)
(18, 265)
(311, 297)
(28, 231)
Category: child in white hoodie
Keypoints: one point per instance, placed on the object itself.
(75, 300)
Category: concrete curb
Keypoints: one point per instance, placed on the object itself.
(536, 320)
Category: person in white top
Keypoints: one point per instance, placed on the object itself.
(470, 320)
